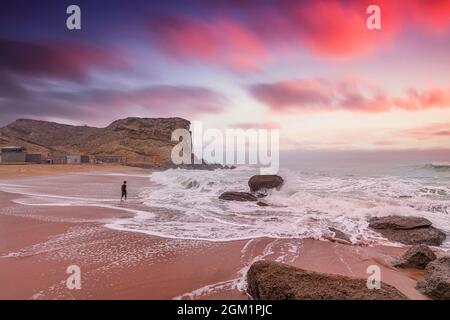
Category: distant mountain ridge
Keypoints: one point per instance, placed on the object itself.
(140, 140)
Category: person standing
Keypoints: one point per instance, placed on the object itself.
(124, 191)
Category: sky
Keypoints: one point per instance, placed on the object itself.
(311, 69)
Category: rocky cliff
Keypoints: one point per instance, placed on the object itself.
(140, 140)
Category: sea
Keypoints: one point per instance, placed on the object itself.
(317, 194)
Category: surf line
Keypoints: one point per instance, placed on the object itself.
(188, 310)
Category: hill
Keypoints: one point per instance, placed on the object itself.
(140, 140)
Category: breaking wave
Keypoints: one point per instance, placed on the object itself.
(186, 205)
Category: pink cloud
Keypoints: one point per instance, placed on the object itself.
(338, 29)
(222, 41)
(109, 104)
(70, 61)
(243, 35)
(257, 125)
(180, 99)
(434, 15)
(289, 94)
(431, 98)
(385, 142)
(324, 95)
(429, 131)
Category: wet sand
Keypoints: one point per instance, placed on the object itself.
(12, 171)
(38, 244)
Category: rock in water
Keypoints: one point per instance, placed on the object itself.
(259, 182)
(437, 279)
(430, 236)
(408, 230)
(399, 223)
(417, 257)
(269, 280)
(339, 236)
(237, 196)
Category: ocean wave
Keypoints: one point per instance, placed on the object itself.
(186, 206)
(439, 165)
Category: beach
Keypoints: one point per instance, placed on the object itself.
(39, 242)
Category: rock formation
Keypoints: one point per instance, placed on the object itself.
(437, 279)
(256, 183)
(139, 140)
(258, 186)
(417, 257)
(339, 236)
(276, 281)
(237, 196)
(408, 230)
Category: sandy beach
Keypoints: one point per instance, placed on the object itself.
(11, 171)
(38, 243)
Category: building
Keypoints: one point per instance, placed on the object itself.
(73, 159)
(46, 161)
(85, 159)
(33, 158)
(110, 159)
(13, 154)
(58, 158)
(77, 159)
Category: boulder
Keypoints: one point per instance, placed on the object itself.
(436, 283)
(398, 222)
(417, 257)
(339, 236)
(237, 196)
(430, 236)
(259, 182)
(262, 204)
(408, 230)
(269, 280)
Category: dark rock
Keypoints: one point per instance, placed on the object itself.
(398, 223)
(437, 279)
(192, 184)
(408, 230)
(339, 235)
(276, 281)
(262, 204)
(237, 196)
(259, 182)
(417, 257)
(429, 236)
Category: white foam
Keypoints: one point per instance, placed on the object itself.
(184, 204)
(113, 174)
(188, 206)
(440, 164)
(276, 249)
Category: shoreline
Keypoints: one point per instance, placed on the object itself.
(15, 171)
(40, 242)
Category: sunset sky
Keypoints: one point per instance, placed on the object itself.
(310, 68)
